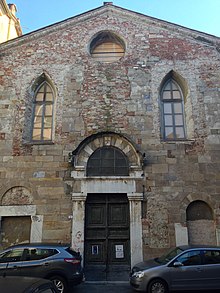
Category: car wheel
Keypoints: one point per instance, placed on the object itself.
(60, 283)
(157, 286)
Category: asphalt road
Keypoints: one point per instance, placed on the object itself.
(117, 287)
(90, 287)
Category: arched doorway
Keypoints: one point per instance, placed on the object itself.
(107, 237)
(108, 170)
(200, 223)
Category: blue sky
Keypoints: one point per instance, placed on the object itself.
(201, 15)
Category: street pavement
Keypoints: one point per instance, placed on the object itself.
(103, 287)
(113, 287)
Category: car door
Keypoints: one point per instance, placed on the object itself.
(36, 262)
(11, 262)
(187, 271)
(211, 268)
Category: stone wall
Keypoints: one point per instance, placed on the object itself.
(120, 97)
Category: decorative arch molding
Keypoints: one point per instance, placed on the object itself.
(81, 154)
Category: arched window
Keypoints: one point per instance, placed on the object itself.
(107, 47)
(172, 104)
(43, 112)
(108, 161)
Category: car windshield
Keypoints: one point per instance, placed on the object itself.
(164, 259)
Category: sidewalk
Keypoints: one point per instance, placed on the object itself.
(103, 287)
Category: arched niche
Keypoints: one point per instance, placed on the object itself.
(200, 223)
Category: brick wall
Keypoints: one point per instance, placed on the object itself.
(122, 97)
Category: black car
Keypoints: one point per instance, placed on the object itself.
(56, 262)
(26, 285)
(183, 268)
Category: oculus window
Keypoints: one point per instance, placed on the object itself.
(108, 161)
(107, 47)
(172, 105)
(43, 113)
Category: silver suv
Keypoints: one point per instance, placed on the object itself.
(55, 262)
(184, 268)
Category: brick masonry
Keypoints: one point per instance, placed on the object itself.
(120, 97)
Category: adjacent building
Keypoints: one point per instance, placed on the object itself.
(10, 27)
(110, 137)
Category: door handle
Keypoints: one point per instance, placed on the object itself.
(46, 264)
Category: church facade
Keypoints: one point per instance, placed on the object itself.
(110, 137)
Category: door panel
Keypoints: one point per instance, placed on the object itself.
(107, 237)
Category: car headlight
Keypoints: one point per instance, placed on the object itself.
(138, 275)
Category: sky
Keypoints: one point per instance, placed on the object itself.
(201, 15)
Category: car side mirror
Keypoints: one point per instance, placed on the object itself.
(177, 264)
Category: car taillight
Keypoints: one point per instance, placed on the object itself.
(72, 260)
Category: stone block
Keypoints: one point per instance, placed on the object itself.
(160, 168)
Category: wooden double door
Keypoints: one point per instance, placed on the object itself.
(107, 237)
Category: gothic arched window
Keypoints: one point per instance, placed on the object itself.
(172, 104)
(108, 161)
(43, 112)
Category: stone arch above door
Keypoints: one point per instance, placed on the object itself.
(17, 195)
(81, 154)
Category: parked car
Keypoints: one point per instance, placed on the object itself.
(56, 262)
(183, 268)
(26, 285)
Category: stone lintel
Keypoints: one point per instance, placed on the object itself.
(24, 210)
